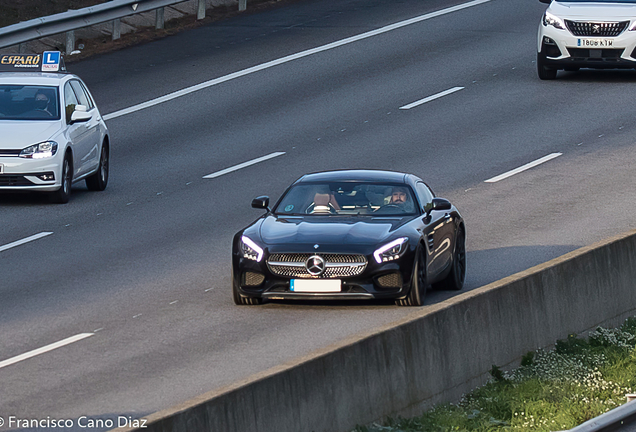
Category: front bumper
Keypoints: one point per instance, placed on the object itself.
(19, 174)
(378, 281)
(561, 49)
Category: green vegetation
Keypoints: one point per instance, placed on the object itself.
(551, 390)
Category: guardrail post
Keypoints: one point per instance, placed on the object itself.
(242, 5)
(201, 10)
(116, 29)
(160, 20)
(70, 41)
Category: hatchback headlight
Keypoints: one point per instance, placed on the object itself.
(554, 21)
(391, 251)
(43, 150)
(251, 250)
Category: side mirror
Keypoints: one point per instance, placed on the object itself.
(80, 114)
(261, 202)
(441, 204)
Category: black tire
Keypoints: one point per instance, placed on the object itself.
(545, 72)
(241, 300)
(63, 194)
(99, 180)
(418, 285)
(455, 279)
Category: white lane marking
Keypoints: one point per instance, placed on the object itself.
(44, 349)
(523, 168)
(430, 98)
(23, 241)
(243, 165)
(289, 58)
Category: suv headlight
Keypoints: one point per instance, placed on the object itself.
(554, 21)
(251, 250)
(43, 150)
(391, 251)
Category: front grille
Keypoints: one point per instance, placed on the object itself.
(336, 265)
(14, 180)
(595, 54)
(596, 29)
(252, 279)
(391, 280)
(10, 153)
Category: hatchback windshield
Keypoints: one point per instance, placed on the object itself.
(348, 198)
(26, 102)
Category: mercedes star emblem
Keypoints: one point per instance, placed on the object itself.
(315, 265)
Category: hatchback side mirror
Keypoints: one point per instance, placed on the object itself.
(80, 114)
(261, 202)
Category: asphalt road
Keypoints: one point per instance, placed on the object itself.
(142, 270)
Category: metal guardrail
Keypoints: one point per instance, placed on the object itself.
(622, 418)
(68, 22)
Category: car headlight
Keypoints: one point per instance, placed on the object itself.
(43, 150)
(633, 26)
(391, 251)
(554, 21)
(251, 250)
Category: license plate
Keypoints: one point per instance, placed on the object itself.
(315, 285)
(596, 43)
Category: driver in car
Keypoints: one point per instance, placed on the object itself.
(401, 198)
(42, 103)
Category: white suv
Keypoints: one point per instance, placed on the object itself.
(51, 132)
(576, 34)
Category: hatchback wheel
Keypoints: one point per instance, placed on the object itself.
(63, 194)
(99, 180)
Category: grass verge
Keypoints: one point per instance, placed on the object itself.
(551, 390)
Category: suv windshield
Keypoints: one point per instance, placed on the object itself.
(348, 198)
(27, 102)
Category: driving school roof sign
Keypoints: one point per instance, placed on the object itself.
(48, 61)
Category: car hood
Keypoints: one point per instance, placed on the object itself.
(16, 134)
(328, 230)
(594, 11)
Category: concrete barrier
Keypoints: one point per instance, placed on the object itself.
(435, 354)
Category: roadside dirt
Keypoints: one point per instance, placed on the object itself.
(14, 11)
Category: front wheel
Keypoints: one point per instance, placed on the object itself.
(241, 300)
(545, 72)
(63, 194)
(418, 283)
(457, 275)
(99, 180)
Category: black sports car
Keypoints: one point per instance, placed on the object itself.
(357, 234)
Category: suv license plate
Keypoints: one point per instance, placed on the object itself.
(596, 43)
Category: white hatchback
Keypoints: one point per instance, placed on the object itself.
(51, 132)
(576, 34)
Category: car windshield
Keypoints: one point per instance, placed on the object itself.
(29, 102)
(348, 198)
